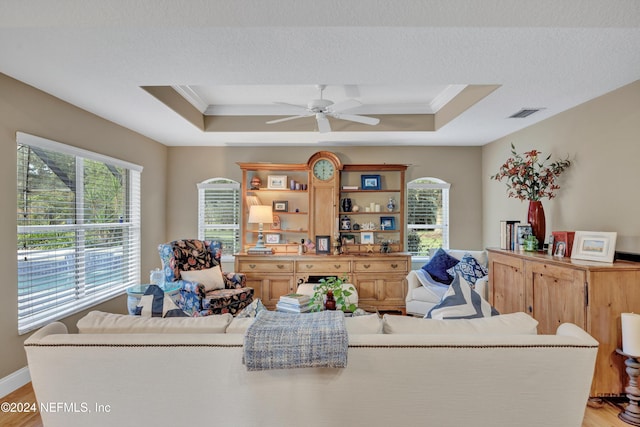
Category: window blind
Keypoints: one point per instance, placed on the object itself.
(219, 213)
(78, 229)
(427, 215)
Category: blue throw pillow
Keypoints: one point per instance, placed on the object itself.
(158, 304)
(469, 268)
(461, 302)
(438, 265)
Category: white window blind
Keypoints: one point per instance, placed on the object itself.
(78, 229)
(219, 213)
(427, 215)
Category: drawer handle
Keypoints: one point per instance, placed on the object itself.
(337, 266)
(394, 265)
(252, 266)
(367, 265)
(309, 266)
(280, 266)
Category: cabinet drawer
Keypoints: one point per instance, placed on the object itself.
(381, 265)
(337, 266)
(271, 266)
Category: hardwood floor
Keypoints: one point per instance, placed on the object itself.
(606, 415)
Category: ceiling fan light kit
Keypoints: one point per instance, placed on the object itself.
(324, 108)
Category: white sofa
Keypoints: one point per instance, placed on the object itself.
(421, 297)
(482, 372)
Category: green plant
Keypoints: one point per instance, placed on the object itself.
(340, 294)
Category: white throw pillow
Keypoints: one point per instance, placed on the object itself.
(211, 278)
(504, 324)
(99, 322)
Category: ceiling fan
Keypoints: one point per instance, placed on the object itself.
(323, 108)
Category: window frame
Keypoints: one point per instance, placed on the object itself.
(219, 183)
(32, 313)
(437, 184)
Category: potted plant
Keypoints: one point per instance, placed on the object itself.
(340, 294)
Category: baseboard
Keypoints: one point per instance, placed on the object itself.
(14, 381)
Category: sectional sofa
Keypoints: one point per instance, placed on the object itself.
(126, 371)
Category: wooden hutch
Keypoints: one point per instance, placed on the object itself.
(306, 199)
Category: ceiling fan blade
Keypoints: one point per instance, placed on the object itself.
(359, 119)
(296, 106)
(323, 123)
(286, 119)
(344, 105)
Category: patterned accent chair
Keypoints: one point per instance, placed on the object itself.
(191, 254)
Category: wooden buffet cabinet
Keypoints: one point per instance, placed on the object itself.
(379, 279)
(556, 290)
(314, 208)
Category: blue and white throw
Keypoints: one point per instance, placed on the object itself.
(278, 340)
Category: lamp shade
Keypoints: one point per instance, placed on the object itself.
(260, 214)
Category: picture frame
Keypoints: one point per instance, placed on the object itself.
(561, 249)
(272, 238)
(277, 223)
(366, 237)
(594, 246)
(370, 182)
(280, 205)
(277, 182)
(522, 232)
(387, 223)
(323, 244)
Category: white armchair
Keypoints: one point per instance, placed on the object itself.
(422, 297)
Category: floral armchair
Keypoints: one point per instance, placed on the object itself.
(199, 256)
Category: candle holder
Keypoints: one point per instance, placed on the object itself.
(631, 414)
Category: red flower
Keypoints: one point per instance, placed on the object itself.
(529, 179)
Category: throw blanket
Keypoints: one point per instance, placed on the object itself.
(296, 340)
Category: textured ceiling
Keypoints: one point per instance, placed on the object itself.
(98, 54)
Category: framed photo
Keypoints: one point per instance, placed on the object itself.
(323, 244)
(280, 206)
(594, 246)
(366, 237)
(276, 224)
(273, 238)
(370, 182)
(522, 232)
(387, 223)
(277, 182)
(561, 249)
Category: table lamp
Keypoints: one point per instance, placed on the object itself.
(259, 214)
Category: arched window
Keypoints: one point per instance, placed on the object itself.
(427, 215)
(219, 213)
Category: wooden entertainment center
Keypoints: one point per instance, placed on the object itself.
(307, 200)
(556, 290)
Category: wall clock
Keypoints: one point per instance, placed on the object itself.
(323, 169)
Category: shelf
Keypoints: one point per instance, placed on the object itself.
(364, 231)
(372, 213)
(370, 191)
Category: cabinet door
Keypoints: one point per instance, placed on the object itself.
(384, 292)
(506, 283)
(555, 295)
(273, 287)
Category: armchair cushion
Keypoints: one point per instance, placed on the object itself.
(211, 278)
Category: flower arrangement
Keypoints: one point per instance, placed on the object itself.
(528, 178)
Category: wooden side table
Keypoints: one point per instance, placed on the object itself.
(631, 414)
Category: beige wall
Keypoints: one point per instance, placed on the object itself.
(599, 192)
(459, 166)
(26, 109)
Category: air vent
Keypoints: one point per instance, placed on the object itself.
(525, 112)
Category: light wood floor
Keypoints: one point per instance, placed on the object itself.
(606, 415)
